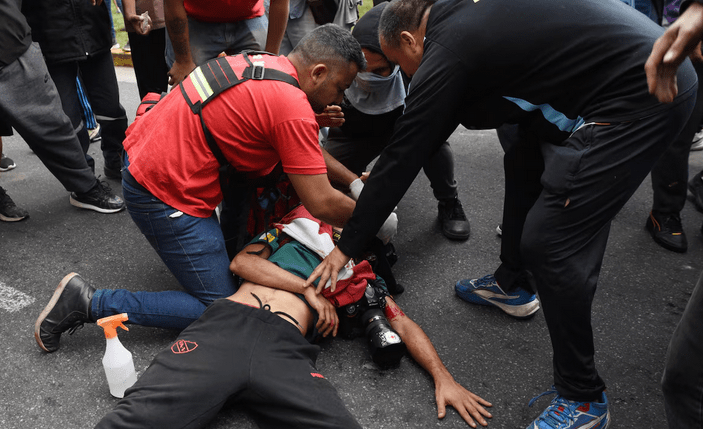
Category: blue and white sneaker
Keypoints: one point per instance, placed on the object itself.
(565, 414)
(486, 291)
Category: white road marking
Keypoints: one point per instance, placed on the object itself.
(13, 300)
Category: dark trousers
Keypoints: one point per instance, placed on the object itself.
(100, 84)
(31, 104)
(240, 352)
(561, 198)
(363, 137)
(683, 374)
(149, 61)
(523, 166)
(670, 173)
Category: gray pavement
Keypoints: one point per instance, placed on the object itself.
(643, 290)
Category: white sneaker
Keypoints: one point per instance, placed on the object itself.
(697, 141)
(94, 134)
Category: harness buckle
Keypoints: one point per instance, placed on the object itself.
(257, 72)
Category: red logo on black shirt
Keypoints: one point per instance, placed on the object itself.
(183, 346)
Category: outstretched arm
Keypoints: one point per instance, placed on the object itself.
(669, 51)
(447, 391)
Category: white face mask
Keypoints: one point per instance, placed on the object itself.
(368, 80)
(374, 94)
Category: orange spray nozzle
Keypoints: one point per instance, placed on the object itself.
(110, 324)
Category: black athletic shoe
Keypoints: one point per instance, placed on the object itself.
(667, 231)
(695, 185)
(6, 164)
(68, 309)
(9, 212)
(451, 215)
(100, 198)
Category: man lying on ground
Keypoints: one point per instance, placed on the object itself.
(247, 347)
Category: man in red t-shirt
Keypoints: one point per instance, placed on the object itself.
(171, 180)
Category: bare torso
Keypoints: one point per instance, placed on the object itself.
(277, 301)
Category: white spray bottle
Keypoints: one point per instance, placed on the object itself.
(117, 361)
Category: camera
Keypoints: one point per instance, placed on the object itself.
(365, 317)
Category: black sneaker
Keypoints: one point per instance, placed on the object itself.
(6, 164)
(695, 185)
(667, 231)
(451, 215)
(68, 309)
(100, 198)
(9, 212)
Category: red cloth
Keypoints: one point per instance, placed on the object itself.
(256, 124)
(352, 289)
(224, 10)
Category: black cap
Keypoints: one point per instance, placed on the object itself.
(366, 29)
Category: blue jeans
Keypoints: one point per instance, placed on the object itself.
(683, 375)
(192, 248)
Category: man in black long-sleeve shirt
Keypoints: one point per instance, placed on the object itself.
(589, 132)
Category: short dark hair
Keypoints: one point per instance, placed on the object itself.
(399, 16)
(330, 44)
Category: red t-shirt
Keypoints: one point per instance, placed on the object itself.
(224, 10)
(256, 124)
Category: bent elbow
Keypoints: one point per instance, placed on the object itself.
(235, 265)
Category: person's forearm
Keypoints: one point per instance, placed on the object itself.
(264, 272)
(321, 199)
(129, 9)
(177, 26)
(278, 20)
(338, 211)
(420, 347)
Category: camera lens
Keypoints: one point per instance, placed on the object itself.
(386, 346)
